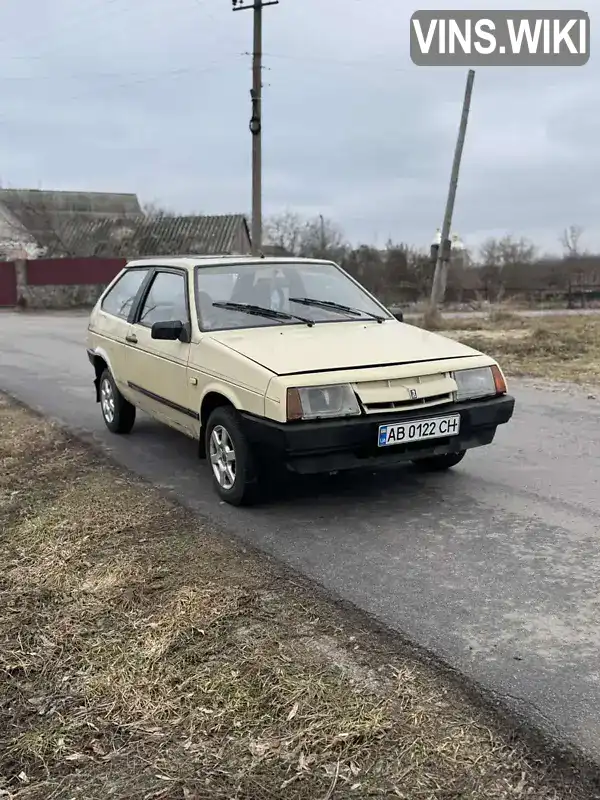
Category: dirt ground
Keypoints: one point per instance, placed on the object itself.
(144, 655)
(555, 348)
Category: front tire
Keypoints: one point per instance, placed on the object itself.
(117, 412)
(233, 467)
(440, 463)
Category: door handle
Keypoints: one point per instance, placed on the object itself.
(131, 338)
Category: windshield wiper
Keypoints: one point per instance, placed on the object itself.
(259, 311)
(355, 312)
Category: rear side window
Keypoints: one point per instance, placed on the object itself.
(120, 298)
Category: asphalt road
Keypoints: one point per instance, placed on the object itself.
(494, 567)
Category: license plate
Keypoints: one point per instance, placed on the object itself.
(417, 430)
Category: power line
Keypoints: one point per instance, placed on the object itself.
(74, 23)
(140, 77)
(138, 81)
(101, 6)
(301, 59)
(343, 62)
(144, 75)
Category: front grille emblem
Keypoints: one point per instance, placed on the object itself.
(413, 394)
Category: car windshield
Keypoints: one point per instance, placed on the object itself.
(251, 295)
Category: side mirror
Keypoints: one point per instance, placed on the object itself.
(399, 316)
(170, 331)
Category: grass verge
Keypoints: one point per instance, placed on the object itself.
(143, 656)
(564, 348)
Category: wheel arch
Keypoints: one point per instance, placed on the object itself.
(100, 362)
(214, 397)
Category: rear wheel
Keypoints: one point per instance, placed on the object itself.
(233, 467)
(440, 463)
(118, 413)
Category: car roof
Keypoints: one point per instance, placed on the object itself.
(191, 261)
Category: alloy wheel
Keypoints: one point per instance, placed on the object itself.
(222, 457)
(107, 400)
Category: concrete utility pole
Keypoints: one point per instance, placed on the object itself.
(256, 119)
(438, 289)
(322, 232)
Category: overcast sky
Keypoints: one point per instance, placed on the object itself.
(152, 96)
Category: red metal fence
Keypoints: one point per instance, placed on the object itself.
(72, 271)
(8, 284)
(57, 272)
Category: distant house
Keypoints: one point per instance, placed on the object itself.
(34, 222)
(159, 235)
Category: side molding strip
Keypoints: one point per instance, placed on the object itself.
(169, 403)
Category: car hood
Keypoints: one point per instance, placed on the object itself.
(287, 350)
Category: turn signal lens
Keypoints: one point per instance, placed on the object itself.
(294, 404)
(499, 381)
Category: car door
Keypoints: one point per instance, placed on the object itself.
(111, 322)
(157, 368)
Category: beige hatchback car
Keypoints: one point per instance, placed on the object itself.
(272, 363)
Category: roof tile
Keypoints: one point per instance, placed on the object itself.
(130, 238)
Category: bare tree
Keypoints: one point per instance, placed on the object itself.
(156, 211)
(284, 231)
(571, 241)
(505, 263)
(321, 238)
(316, 237)
(464, 280)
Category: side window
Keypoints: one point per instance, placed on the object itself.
(166, 300)
(120, 298)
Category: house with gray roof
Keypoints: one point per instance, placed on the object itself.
(54, 224)
(33, 221)
(159, 235)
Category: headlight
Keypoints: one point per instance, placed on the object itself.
(480, 382)
(318, 402)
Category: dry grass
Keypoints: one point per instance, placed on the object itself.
(563, 348)
(143, 656)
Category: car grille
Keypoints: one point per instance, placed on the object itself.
(406, 394)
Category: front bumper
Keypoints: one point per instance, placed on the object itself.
(332, 445)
